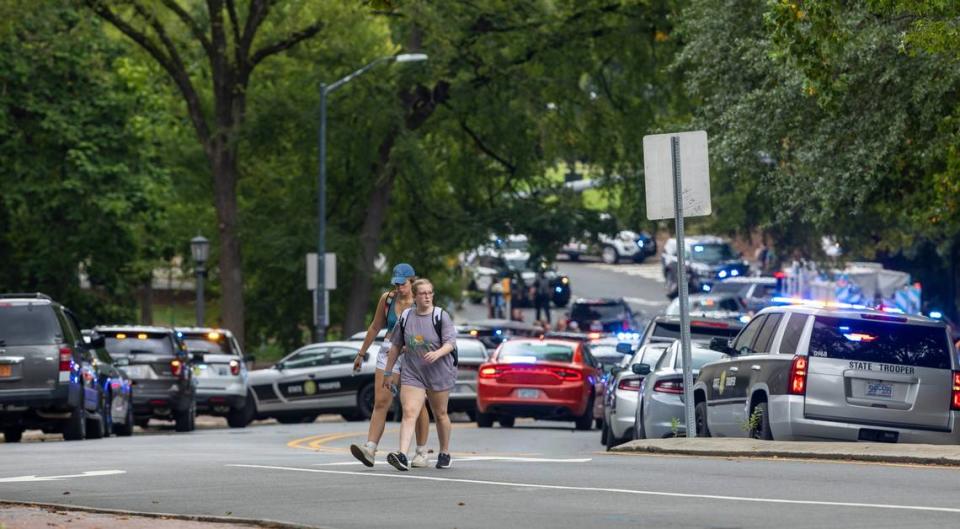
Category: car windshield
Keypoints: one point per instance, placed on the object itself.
(473, 349)
(28, 324)
(705, 306)
(132, 342)
(608, 362)
(515, 244)
(597, 311)
(668, 329)
(711, 253)
(516, 264)
(529, 352)
(878, 341)
(203, 342)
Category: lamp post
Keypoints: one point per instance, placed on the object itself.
(325, 89)
(200, 248)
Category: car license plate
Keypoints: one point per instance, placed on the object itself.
(879, 389)
(528, 393)
(136, 371)
(5, 370)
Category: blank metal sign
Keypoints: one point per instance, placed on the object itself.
(694, 172)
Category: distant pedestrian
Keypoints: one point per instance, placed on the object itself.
(428, 370)
(541, 295)
(389, 308)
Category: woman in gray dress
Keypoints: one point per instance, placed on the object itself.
(428, 370)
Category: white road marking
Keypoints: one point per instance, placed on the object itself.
(88, 474)
(616, 491)
(478, 458)
(651, 271)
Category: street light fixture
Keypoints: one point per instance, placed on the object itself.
(200, 248)
(321, 288)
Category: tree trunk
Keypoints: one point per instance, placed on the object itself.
(224, 167)
(146, 302)
(362, 285)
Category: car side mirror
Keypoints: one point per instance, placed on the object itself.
(721, 345)
(121, 361)
(95, 341)
(624, 348)
(640, 369)
(278, 366)
(615, 370)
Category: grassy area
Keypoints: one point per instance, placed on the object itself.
(184, 314)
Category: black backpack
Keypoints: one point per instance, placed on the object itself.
(437, 326)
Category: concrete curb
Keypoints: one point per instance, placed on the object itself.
(913, 454)
(266, 524)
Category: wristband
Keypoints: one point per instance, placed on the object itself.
(388, 373)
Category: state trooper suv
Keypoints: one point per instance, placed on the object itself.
(805, 372)
(47, 380)
(158, 364)
(221, 371)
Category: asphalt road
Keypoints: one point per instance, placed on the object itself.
(538, 474)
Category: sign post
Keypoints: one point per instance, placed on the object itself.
(329, 283)
(666, 196)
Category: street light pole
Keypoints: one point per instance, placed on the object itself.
(200, 248)
(321, 288)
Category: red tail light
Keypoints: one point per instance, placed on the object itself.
(955, 396)
(66, 359)
(565, 374)
(234, 367)
(489, 372)
(176, 367)
(630, 384)
(798, 376)
(669, 386)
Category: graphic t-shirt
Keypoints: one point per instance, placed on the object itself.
(421, 337)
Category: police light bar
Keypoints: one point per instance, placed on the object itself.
(819, 304)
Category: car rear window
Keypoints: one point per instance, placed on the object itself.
(126, 343)
(665, 329)
(597, 311)
(525, 352)
(203, 342)
(473, 349)
(700, 357)
(28, 324)
(883, 342)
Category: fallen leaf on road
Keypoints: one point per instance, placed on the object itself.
(461, 504)
(66, 492)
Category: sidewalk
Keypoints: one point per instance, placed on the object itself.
(914, 454)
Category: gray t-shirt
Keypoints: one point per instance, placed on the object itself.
(421, 338)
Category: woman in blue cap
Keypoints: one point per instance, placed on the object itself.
(391, 305)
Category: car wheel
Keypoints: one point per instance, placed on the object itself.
(598, 424)
(670, 283)
(609, 255)
(603, 436)
(611, 440)
(639, 432)
(700, 416)
(125, 429)
(143, 423)
(484, 420)
(96, 426)
(75, 429)
(585, 421)
(574, 256)
(12, 434)
(762, 430)
(472, 414)
(507, 422)
(184, 418)
(238, 417)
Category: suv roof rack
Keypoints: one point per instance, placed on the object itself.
(27, 295)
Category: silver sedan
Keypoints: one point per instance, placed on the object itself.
(621, 396)
(660, 411)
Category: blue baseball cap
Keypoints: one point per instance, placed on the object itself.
(401, 273)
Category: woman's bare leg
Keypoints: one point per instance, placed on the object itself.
(438, 403)
(412, 400)
(382, 399)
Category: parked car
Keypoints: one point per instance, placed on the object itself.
(712, 305)
(544, 379)
(221, 371)
(611, 355)
(755, 292)
(667, 329)
(493, 332)
(471, 353)
(660, 410)
(707, 259)
(807, 372)
(622, 393)
(117, 387)
(626, 244)
(49, 376)
(156, 360)
(314, 379)
(612, 315)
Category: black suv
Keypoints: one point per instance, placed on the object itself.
(603, 315)
(708, 259)
(159, 365)
(49, 379)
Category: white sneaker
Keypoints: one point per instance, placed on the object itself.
(363, 453)
(420, 460)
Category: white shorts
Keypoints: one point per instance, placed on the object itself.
(382, 359)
